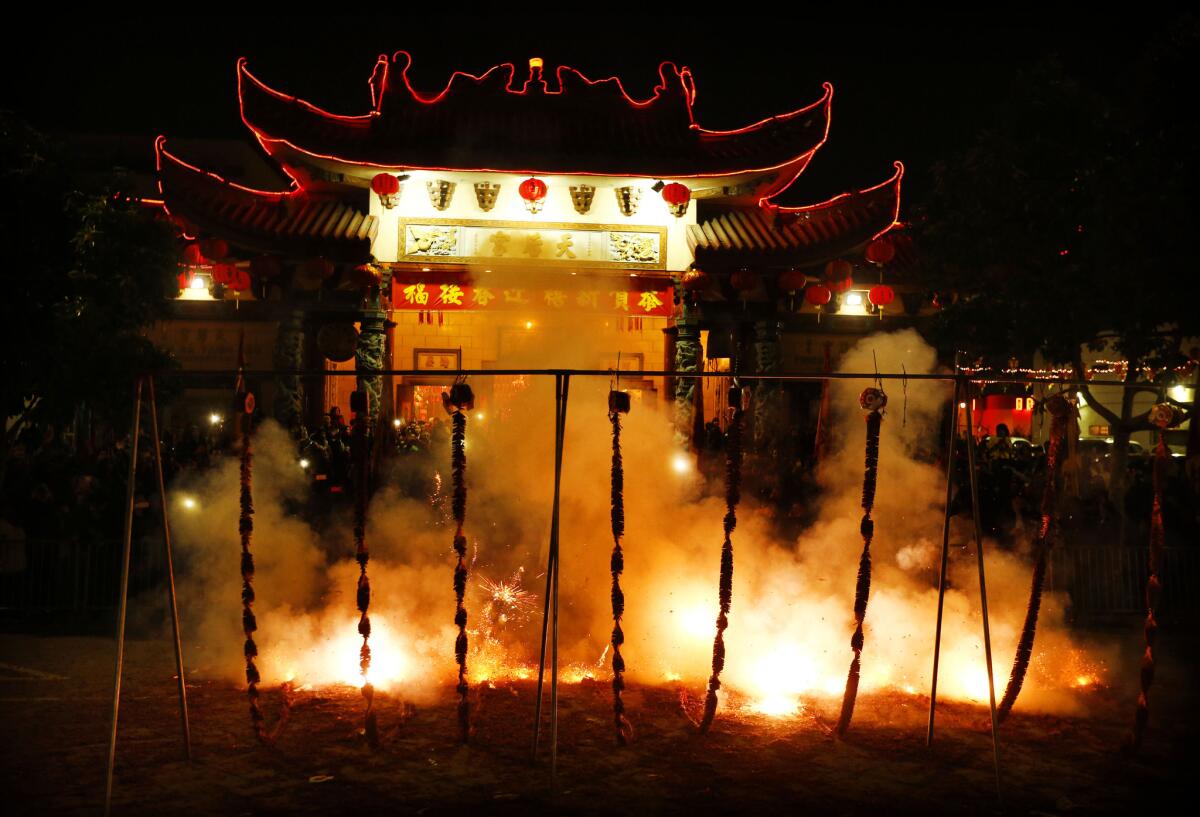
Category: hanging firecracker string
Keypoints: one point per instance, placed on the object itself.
(1162, 415)
(733, 482)
(359, 444)
(459, 401)
(249, 622)
(618, 404)
(1060, 410)
(872, 400)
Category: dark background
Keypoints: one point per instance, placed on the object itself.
(905, 88)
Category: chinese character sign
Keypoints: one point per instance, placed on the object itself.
(502, 242)
(453, 297)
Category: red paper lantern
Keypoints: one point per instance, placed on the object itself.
(532, 189)
(677, 196)
(881, 251)
(792, 280)
(192, 255)
(838, 269)
(695, 280)
(312, 272)
(743, 280)
(676, 193)
(841, 286)
(223, 274)
(881, 295)
(818, 295)
(387, 187)
(365, 275)
(838, 276)
(239, 279)
(265, 267)
(385, 184)
(318, 267)
(214, 248)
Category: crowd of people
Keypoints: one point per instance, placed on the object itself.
(56, 489)
(1012, 476)
(326, 452)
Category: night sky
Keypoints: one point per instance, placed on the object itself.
(913, 91)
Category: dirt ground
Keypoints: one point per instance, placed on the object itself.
(55, 694)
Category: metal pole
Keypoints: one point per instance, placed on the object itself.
(162, 496)
(124, 592)
(562, 433)
(780, 377)
(987, 636)
(550, 568)
(937, 635)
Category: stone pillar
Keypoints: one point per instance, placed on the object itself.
(288, 406)
(769, 433)
(369, 355)
(687, 359)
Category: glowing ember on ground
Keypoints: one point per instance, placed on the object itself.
(777, 706)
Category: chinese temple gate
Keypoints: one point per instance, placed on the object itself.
(526, 218)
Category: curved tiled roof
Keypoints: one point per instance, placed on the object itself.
(797, 236)
(290, 222)
(491, 122)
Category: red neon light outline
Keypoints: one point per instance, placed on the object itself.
(826, 99)
(160, 151)
(381, 67)
(775, 190)
(379, 91)
(242, 70)
(536, 75)
(895, 181)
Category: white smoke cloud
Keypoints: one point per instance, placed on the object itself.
(792, 614)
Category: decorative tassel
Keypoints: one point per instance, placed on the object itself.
(1060, 409)
(459, 401)
(733, 485)
(359, 445)
(1162, 415)
(618, 402)
(873, 400)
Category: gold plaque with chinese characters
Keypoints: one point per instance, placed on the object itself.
(579, 246)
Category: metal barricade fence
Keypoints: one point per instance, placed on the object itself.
(72, 581)
(1112, 580)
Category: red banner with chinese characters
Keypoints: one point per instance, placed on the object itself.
(454, 297)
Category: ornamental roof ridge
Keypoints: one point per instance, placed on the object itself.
(493, 122)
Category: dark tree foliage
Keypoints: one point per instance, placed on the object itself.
(1067, 224)
(85, 273)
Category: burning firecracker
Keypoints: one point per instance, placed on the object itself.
(359, 445)
(507, 602)
(249, 622)
(1061, 413)
(733, 485)
(457, 402)
(873, 401)
(1163, 415)
(618, 404)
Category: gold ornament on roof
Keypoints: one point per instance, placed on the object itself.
(440, 193)
(581, 197)
(627, 199)
(485, 195)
